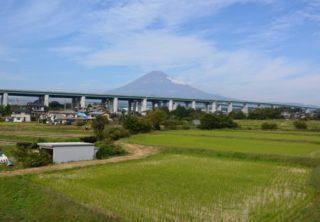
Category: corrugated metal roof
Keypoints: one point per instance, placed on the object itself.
(64, 144)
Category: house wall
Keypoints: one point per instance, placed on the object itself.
(21, 118)
(74, 153)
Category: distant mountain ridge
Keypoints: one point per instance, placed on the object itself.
(159, 84)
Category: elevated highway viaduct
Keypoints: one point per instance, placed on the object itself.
(142, 103)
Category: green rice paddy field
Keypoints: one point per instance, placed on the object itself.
(219, 175)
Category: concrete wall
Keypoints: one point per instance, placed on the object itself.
(74, 153)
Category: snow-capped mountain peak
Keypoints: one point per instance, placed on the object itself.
(159, 84)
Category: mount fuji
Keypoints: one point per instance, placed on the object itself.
(159, 84)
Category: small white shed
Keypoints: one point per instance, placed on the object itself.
(68, 152)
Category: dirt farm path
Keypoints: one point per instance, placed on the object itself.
(135, 152)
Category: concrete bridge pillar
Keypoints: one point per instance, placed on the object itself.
(129, 106)
(75, 102)
(153, 105)
(193, 104)
(207, 107)
(144, 105)
(245, 109)
(115, 104)
(104, 102)
(139, 106)
(82, 102)
(230, 108)
(219, 108)
(170, 105)
(5, 97)
(214, 107)
(46, 100)
(109, 105)
(135, 106)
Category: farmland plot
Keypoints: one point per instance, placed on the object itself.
(235, 141)
(171, 187)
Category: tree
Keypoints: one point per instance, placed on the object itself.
(5, 110)
(54, 105)
(300, 124)
(98, 125)
(237, 115)
(181, 112)
(211, 121)
(265, 113)
(136, 125)
(156, 118)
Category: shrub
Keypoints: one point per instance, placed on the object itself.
(36, 159)
(102, 152)
(137, 125)
(98, 125)
(237, 115)
(80, 123)
(106, 150)
(300, 124)
(269, 126)
(211, 121)
(26, 145)
(156, 118)
(265, 113)
(88, 139)
(115, 133)
(174, 124)
(181, 112)
(30, 156)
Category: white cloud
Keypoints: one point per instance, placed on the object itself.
(124, 34)
(151, 49)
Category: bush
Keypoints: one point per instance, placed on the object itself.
(237, 115)
(156, 118)
(30, 156)
(115, 133)
(80, 123)
(98, 125)
(265, 113)
(88, 139)
(106, 150)
(26, 145)
(211, 121)
(174, 124)
(300, 124)
(137, 125)
(269, 126)
(102, 152)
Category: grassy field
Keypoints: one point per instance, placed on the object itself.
(196, 177)
(171, 187)
(279, 143)
(25, 201)
(29, 132)
(313, 125)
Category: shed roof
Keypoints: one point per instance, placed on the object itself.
(65, 144)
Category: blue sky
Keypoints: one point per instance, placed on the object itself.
(262, 50)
